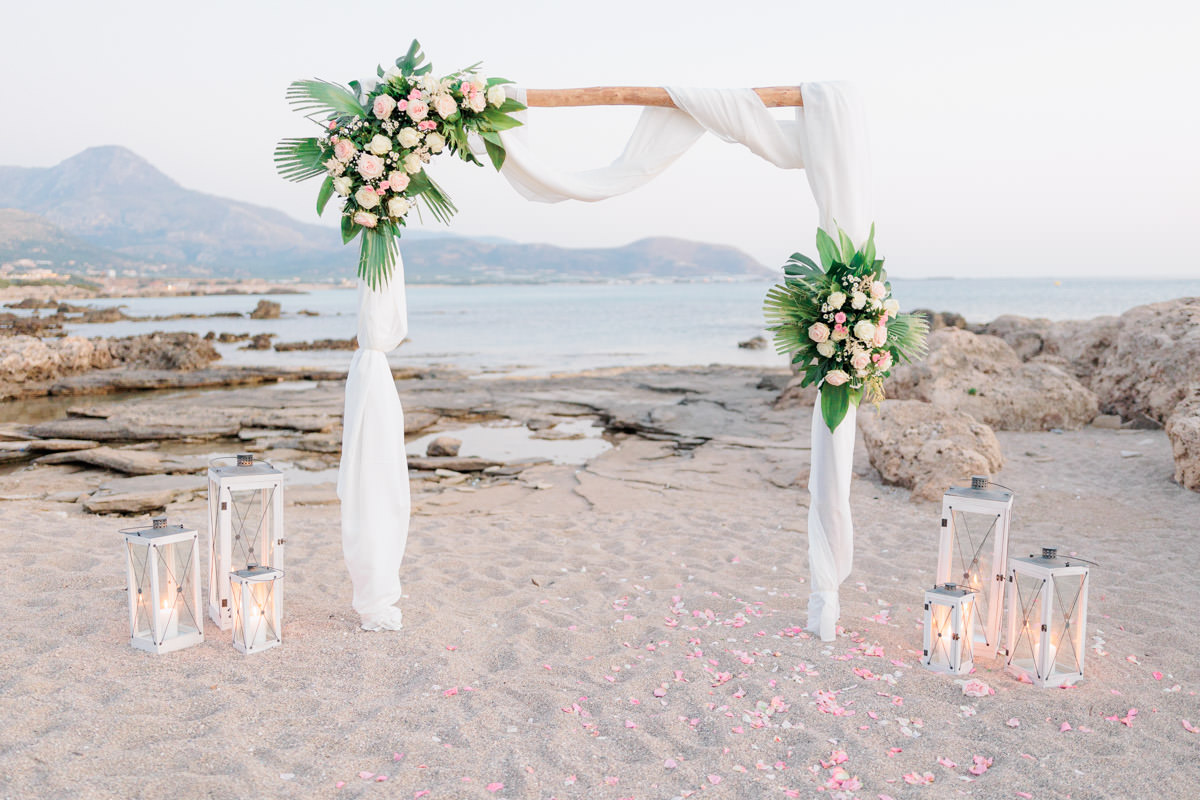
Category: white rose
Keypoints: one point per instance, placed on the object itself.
(412, 163)
(836, 377)
(409, 137)
(836, 300)
(342, 185)
(864, 329)
(827, 349)
(366, 197)
(391, 74)
(398, 181)
(365, 218)
(860, 360)
(477, 103)
(435, 141)
(891, 306)
(878, 289)
(429, 83)
(380, 145)
(444, 105)
(370, 167)
(398, 207)
(334, 167)
(858, 300)
(496, 96)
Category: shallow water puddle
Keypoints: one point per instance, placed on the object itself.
(573, 441)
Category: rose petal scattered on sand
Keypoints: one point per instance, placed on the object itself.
(1132, 659)
(419, 794)
(1026, 795)
(1189, 727)
(973, 687)
(670, 763)
(714, 779)
(366, 776)
(947, 763)
(630, 723)
(1013, 722)
(980, 766)
(1158, 676)
(397, 756)
(380, 778)
(339, 784)
(917, 779)
(495, 787)
(569, 781)
(450, 692)
(1066, 726)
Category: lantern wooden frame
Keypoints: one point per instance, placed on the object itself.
(257, 602)
(245, 526)
(975, 554)
(949, 618)
(1047, 619)
(163, 563)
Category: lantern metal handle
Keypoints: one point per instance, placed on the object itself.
(240, 460)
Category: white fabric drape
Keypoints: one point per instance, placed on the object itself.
(373, 477)
(827, 140)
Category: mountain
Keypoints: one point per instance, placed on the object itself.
(108, 208)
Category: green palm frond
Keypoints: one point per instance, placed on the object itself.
(435, 199)
(299, 159)
(377, 255)
(907, 336)
(324, 97)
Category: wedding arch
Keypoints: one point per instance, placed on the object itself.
(826, 138)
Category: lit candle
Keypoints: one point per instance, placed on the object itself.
(167, 622)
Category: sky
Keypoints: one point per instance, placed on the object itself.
(1006, 139)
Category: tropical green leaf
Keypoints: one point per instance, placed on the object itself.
(317, 96)
(803, 259)
(495, 152)
(412, 60)
(349, 229)
(324, 195)
(495, 81)
(499, 121)
(869, 249)
(826, 248)
(510, 105)
(848, 248)
(377, 255)
(907, 335)
(835, 402)
(299, 159)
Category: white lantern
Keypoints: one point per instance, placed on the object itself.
(949, 618)
(257, 608)
(1047, 618)
(245, 526)
(164, 587)
(973, 553)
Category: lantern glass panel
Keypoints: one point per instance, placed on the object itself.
(974, 543)
(175, 592)
(1025, 649)
(252, 526)
(139, 562)
(1064, 623)
(256, 611)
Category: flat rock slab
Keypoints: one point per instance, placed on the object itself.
(131, 462)
(128, 430)
(452, 463)
(59, 445)
(142, 494)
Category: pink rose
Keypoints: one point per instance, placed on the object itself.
(839, 317)
(415, 94)
(444, 105)
(344, 150)
(398, 181)
(402, 105)
(369, 166)
(427, 125)
(883, 361)
(860, 360)
(818, 332)
(365, 218)
(418, 110)
(880, 337)
(834, 377)
(383, 106)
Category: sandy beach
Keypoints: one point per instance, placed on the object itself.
(627, 627)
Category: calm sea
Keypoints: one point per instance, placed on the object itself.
(567, 327)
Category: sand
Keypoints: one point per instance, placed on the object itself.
(630, 629)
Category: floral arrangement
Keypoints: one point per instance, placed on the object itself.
(377, 141)
(841, 323)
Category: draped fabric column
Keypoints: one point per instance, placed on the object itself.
(373, 477)
(827, 139)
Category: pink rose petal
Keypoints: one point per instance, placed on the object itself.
(495, 787)
(1157, 675)
(670, 763)
(947, 763)
(714, 779)
(419, 794)
(1013, 723)
(1066, 726)
(366, 776)
(1189, 727)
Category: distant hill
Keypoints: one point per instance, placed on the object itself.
(108, 208)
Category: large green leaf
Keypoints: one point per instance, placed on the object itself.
(377, 255)
(826, 248)
(349, 229)
(498, 120)
(495, 152)
(299, 159)
(324, 97)
(848, 248)
(835, 402)
(412, 60)
(324, 195)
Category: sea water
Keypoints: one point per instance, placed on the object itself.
(541, 329)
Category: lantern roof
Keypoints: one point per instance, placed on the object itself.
(258, 573)
(158, 534)
(953, 590)
(231, 470)
(995, 495)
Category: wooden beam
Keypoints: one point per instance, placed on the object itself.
(772, 96)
